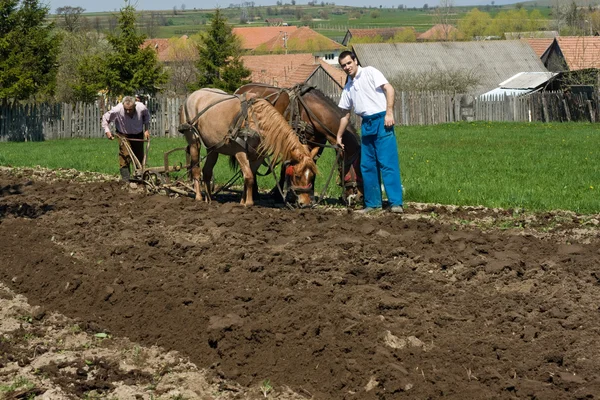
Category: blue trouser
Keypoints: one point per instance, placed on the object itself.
(379, 162)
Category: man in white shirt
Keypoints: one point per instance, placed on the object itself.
(132, 120)
(372, 97)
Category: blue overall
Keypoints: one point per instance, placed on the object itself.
(379, 162)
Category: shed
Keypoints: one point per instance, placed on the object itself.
(491, 62)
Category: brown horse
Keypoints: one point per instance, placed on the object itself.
(250, 130)
(316, 120)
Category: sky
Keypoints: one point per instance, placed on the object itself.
(115, 5)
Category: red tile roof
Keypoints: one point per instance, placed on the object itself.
(440, 32)
(254, 36)
(279, 69)
(539, 45)
(302, 39)
(162, 48)
(580, 52)
(159, 45)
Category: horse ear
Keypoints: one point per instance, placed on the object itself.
(314, 152)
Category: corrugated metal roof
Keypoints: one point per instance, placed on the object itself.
(493, 61)
(527, 80)
(500, 92)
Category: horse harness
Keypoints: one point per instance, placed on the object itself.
(239, 130)
(292, 113)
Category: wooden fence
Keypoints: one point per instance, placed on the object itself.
(34, 122)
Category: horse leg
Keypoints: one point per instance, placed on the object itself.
(194, 150)
(207, 172)
(274, 193)
(242, 159)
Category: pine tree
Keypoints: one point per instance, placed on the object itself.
(28, 50)
(219, 64)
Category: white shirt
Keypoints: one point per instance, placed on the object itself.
(364, 92)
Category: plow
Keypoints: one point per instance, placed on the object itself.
(159, 179)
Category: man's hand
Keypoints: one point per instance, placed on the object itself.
(339, 143)
(147, 135)
(389, 120)
(110, 136)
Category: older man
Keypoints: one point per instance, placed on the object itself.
(372, 97)
(132, 121)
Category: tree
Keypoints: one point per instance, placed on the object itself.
(219, 65)
(76, 51)
(442, 16)
(183, 55)
(128, 68)
(475, 23)
(71, 17)
(28, 50)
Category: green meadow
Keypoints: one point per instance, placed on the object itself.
(510, 165)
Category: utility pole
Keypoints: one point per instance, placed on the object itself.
(285, 39)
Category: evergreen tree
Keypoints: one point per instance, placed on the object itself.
(127, 69)
(28, 50)
(219, 65)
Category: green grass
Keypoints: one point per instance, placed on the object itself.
(532, 166)
(192, 21)
(510, 165)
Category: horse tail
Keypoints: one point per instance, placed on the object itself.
(184, 126)
(233, 164)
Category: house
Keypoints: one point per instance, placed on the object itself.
(302, 40)
(385, 33)
(573, 53)
(160, 46)
(523, 83)
(252, 37)
(439, 33)
(167, 50)
(488, 62)
(539, 45)
(531, 35)
(274, 21)
(286, 70)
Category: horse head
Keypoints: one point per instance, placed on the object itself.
(300, 176)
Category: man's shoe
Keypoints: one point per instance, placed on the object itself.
(366, 210)
(397, 209)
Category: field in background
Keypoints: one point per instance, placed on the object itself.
(509, 165)
(177, 22)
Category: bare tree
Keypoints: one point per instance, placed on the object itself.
(443, 16)
(151, 24)
(458, 80)
(182, 55)
(71, 17)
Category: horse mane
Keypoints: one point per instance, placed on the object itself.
(277, 137)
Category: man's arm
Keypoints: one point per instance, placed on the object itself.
(344, 121)
(146, 121)
(107, 118)
(389, 100)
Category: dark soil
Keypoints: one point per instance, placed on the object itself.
(463, 303)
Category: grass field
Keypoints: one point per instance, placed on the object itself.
(531, 166)
(191, 20)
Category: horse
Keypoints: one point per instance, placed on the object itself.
(316, 120)
(249, 129)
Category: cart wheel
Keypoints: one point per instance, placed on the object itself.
(153, 180)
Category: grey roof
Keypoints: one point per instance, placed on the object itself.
(531, 35)
(492, 61)
(527, 80)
